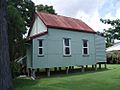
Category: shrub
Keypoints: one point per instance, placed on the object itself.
(113, 57)
(15, 68)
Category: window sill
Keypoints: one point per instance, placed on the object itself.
(85, 55)
(40, 55)
(67, 55)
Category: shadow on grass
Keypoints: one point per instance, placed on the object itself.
(20, 82)
(77, 71)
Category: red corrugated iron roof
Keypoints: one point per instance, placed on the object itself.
(57, 21)
(62, 22)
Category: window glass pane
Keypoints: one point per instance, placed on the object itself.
(40, 51)
(67, 50)
(40, 43)
(85, 50)
(84, 43)
(66, 41)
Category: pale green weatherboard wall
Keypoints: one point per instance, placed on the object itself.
(100, 48)
(29, 55)
(53, 49)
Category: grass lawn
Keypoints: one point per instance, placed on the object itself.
(100, 80)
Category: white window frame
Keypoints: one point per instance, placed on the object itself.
(85, 47)
(40, 47)
(64, 47)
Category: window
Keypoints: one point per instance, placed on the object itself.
(66, 47)
(85, 50)
(40, 47)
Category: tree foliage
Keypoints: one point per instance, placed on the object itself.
(100, 33)
(45, 8)
(19, 19)
(16, 29)
(20, 13)
(26, 8)
(113, 32)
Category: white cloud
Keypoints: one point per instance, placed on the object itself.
(118, 13)
(88, 11)
(84, 17)
(92, 20)
(109, 16)
(70, 7)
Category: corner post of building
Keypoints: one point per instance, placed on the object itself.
(99, 65)
(105, 65)
(29, 72)
(48, 72)
(82, 68)
(67, 70)
(59, 68)
(33, 74)
(96, 67)
(55, 69)
(37, 72)
(70, 67)
(86, 66)
(92, 66)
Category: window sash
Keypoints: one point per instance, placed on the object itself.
(67, 42)
(85, 43)
(85, 46)
(67, 50)
(40, 43)
(40, 52)
(67, 47)
(85, 51)
(40, 47)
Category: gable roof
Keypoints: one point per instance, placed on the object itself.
(62, 22)
(57, 21)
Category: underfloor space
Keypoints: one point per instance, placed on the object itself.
(59, 71)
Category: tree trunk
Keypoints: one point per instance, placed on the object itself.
(5, 72)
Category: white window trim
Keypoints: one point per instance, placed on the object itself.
(40, 47)
(85, 47)
(66, 47)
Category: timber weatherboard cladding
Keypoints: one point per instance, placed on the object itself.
(53, 49)
(53, 35)
(100, 48)
(29, 56)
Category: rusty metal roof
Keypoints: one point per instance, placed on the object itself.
(62, 22)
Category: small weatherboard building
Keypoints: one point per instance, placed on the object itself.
(59, 41)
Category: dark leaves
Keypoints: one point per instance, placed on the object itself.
(111, 33)
(45, 8)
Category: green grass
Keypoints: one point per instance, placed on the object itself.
(100, 80)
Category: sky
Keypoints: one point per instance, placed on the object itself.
(89, 11)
